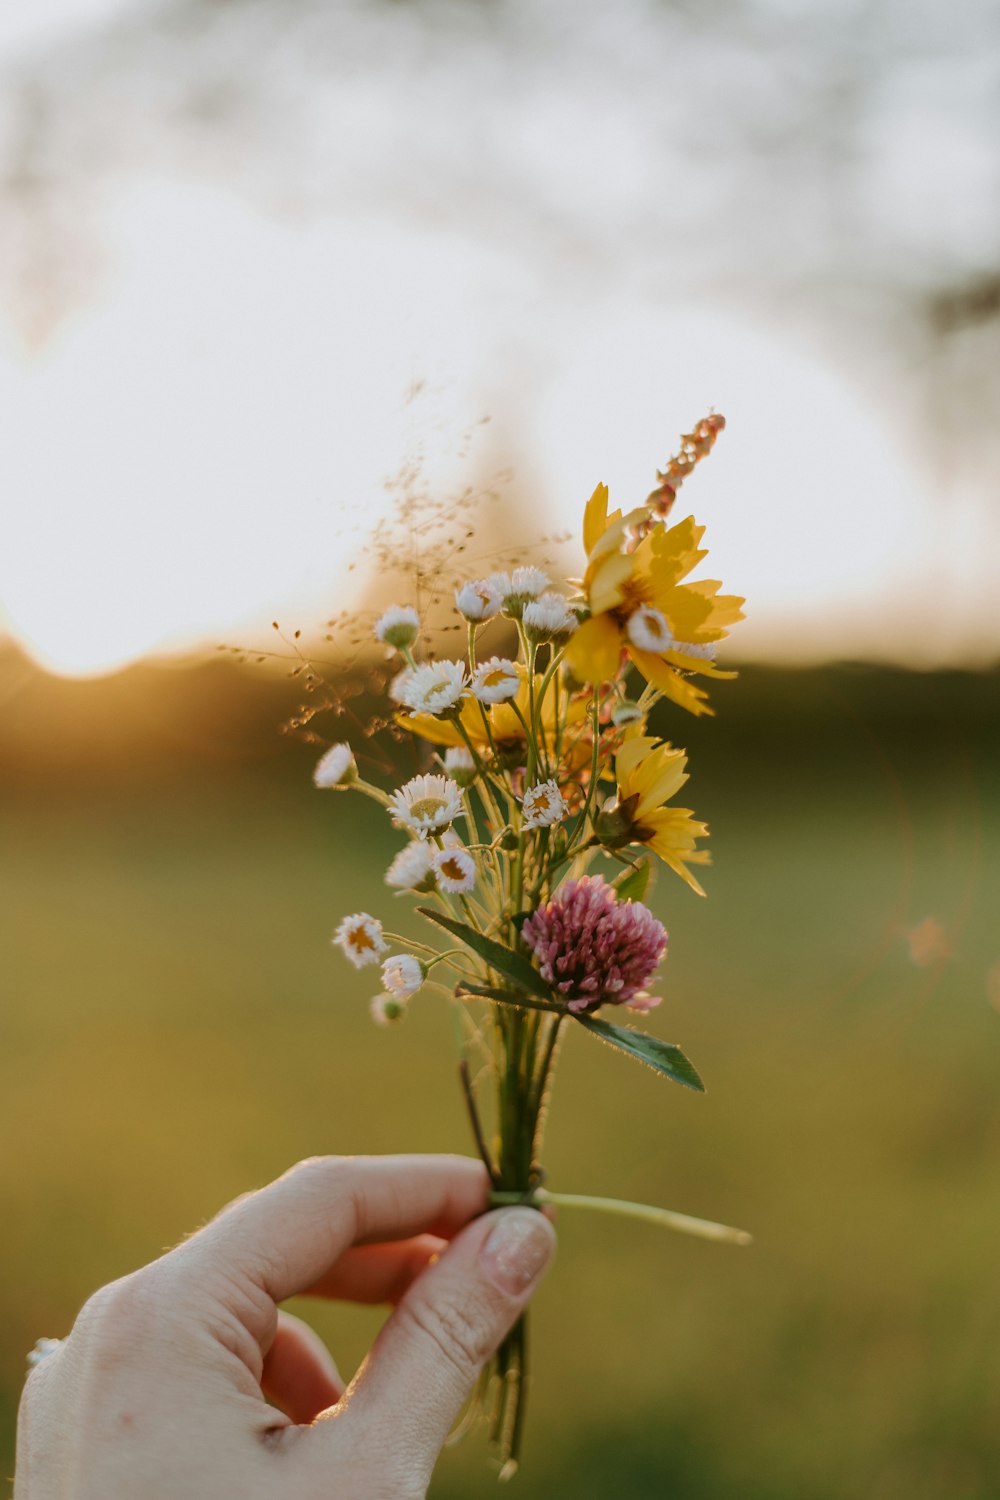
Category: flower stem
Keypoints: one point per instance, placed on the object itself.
(666, 1218)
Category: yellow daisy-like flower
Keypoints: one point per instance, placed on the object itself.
(649, 774)
(638, 603)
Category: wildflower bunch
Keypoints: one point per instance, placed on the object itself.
(541, 759)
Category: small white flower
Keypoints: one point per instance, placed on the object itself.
(398, 626)
(427, 804)
(543, 805)
(434, 687)
(528, 583)
(548, 618)
(361, 938)
(336, 768)
(402, 975)
(451, 839)
(480, 600)
(495, 680)
(459, 764)
(386, 1008)
(411, 868)
(518, 587)
(648, 629)
(43, 1348)
(455, 870)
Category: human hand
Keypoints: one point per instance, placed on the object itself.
(158, 1392)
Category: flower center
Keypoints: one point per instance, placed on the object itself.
(359, 938)
(428, 807)
(496, 678)
(452, 869)
(638, 593)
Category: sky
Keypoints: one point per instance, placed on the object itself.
(239, 238)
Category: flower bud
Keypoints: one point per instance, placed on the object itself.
(615, 824)
(460, 765)
(398, 626)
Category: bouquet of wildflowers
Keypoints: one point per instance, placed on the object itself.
(543, 762)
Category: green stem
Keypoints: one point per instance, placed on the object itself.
(666, 1218)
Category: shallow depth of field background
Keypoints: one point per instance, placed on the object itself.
(267, 268)
(175, 1028)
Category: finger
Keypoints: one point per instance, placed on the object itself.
(425, 1362)
(287, 1236)
(299, 1375)
(378, 1273)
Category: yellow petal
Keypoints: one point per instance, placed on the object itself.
(632, 752)
(657, 778)
(726, 608)
(604, 582)
(689, 613)
(595, 518)
(674, 832)
(594, 649)
(696, 664)
(678, 865)
(676, 551)
(670, 683)
(438, 731)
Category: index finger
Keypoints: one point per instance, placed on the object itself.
(287, 1236)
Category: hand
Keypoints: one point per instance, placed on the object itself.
(158, 1392)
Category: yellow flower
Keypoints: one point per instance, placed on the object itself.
(649, 774)
(506, 724)
(638, 603)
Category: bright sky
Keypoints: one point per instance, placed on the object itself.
(202, 442)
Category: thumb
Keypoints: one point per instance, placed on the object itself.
(425, 1362)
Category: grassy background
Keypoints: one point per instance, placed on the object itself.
(175, 1028)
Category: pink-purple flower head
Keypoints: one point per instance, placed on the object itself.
(593, 949)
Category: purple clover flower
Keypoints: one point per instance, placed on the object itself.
(593, 949)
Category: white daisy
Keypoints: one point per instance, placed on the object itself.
(434, 687)
(398, 626)
(480, 600)
(411, 868)
(386, 1008)
(495, 680)
(528, 582)
(548, 618)
(361, 938)
(402, 975)
(518, 587)
(460, 765)
(543, 805)
(455, 870)
(336, 768)
(426, 804)
(649, 630)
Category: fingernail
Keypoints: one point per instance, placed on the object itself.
(518, 1250)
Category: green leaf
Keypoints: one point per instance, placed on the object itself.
(633, 885)
(491, 992)
(662, 1057)
(513, 966)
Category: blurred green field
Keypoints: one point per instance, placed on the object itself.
(175, 1028)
